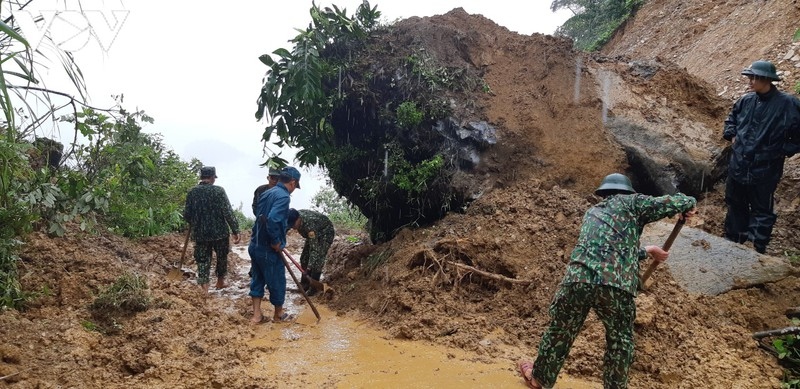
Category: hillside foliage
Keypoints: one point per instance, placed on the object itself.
(113, 175)
(594, 21)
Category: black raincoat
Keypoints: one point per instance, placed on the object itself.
(767, 130)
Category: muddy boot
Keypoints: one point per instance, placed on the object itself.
(311, 291)
(304, 283)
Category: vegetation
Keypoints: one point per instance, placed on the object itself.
(787, 349)
(131, 177)
(128, 293)
(293, 98)
(371, 118)
(408, 115)
(594, 21)
(113, 173)
(342, 213)
(245, 223)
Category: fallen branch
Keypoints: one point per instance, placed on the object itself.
(493, 276)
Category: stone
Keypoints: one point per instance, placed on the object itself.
(715, 265)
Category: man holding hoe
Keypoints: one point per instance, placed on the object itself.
(603, 274)
(266, 243)
(210, 214)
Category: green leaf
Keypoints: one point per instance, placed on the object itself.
(266, 59)
(12, 33)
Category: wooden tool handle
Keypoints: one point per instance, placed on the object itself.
(650, 269)
(186, 243)
(299, 287)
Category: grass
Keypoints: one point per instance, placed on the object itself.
(127, 294)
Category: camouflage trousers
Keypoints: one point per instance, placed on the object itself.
(202, 255)
(315, 252)
(616, 310)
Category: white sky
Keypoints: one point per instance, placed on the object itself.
(193, 66)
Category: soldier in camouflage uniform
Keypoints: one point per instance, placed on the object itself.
(209, 214)
(603, 274)
(318, 232)
(272, 180)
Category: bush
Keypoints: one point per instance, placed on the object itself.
(245, 223)
(342, 213)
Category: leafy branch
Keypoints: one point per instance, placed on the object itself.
(293, 100)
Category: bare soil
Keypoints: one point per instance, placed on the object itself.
(423, 284)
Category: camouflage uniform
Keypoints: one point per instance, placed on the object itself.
(603, 274)
(257, 195)
(209, 214)
(318, 232)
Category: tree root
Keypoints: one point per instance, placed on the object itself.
(432, 262)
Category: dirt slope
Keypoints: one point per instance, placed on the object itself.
(523, 228)
(420, 285)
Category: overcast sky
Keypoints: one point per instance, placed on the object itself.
(193, 66)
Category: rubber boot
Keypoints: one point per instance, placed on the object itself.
(304, 283)
(316, 276)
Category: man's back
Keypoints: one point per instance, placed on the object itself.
(270, 225)
(209, 213)
(315, 221)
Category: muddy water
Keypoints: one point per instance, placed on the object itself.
(342, 352)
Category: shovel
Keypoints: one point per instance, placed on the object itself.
(176, 274)
(320, 286)
(674, 234)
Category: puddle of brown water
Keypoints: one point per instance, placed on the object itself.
(341, 352)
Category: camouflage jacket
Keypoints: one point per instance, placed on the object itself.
(315, 226)
(318, 231)
(608, 252)
(209, 213)
(257, 195)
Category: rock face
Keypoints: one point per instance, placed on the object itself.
(710, 265)
(669, 136)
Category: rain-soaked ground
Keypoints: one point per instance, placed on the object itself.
(342, 352)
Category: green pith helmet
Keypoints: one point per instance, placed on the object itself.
(614, 182)
(762, 68)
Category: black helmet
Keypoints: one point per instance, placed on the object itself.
(614, 182)
(762, 68)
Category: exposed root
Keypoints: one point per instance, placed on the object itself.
(439, 265)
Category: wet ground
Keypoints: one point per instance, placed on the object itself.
(344, 352)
